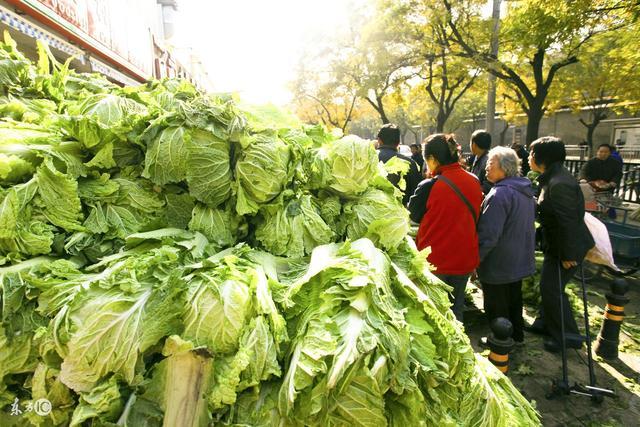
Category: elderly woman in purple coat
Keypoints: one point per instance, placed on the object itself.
(506, 235)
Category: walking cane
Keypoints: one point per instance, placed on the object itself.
(559, 388)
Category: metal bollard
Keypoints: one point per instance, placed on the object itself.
(609, 336)
(500, 343)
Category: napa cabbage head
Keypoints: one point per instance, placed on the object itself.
(120, 313)
(166, 157)
(377, 215)
(262, 172)
(352, 164)
(222, 227)
(294, 228)
(102, 118)
(209, 171)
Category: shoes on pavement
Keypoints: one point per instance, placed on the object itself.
(553, 346)
(537, 328)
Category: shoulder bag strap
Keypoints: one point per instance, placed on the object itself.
(460, 195)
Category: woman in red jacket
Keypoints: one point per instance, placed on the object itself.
(447, 207)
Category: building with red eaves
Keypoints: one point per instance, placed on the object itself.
(124, 40)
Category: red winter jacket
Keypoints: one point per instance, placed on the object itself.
(446, 224)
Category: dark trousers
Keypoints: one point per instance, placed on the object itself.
(551, 292)
(505, 300)
(459, 284)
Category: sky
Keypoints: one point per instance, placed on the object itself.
(252, 46)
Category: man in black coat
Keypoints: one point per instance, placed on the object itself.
(566, 240)
(388, 141)
(603, 172)
(416, 156)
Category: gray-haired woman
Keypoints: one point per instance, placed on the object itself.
(506, 235)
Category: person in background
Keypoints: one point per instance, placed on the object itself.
(480, 145)
(603, 172)
(616, 154)
(416, 156)
(447, 207)
(523, 155)
(468, 162)
(506, 237)
(461, 160)
(388, 141)
(565, 240)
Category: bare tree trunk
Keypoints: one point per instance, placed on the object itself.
(349, 113)
(383, 116)
(415, 134)
(441, 119)
(379, 107)
(534, 117)
(598, 116)
(503, 133)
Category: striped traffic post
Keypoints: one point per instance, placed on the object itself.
(609, 336)
(500, 343)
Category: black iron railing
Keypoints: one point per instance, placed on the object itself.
(629, 187)
(574, 166)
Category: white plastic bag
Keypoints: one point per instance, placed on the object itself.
(601, 253)
(589, 194)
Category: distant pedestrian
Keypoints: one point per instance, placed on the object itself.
(480, 145)
(616, 154)
(416, 156)
(388, 141)
(523, 155)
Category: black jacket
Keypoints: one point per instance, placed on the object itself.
(412, 178)
(417, 157)
(561, 215)
(524, 158)
(479, 169)
(609, 170)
